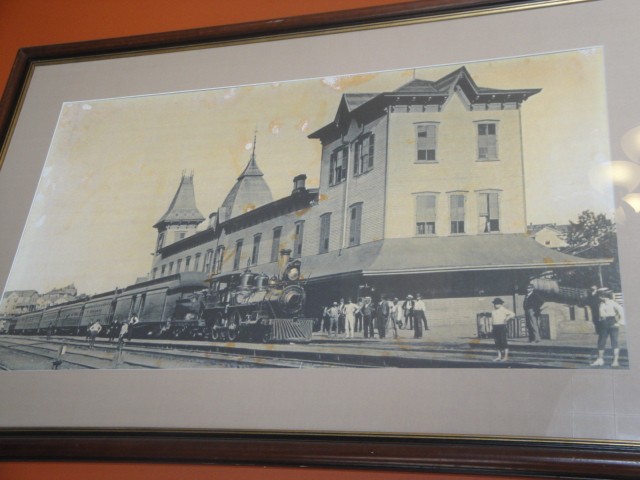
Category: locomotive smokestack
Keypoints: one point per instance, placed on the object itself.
(285, 255)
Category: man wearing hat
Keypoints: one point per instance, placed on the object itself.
(333, 312)
(611, 317)
(407, 307)
(500, 316)
(593, 302)
(532, 305)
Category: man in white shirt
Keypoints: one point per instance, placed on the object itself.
(350, 310)
(500, 316)
(94, 330)
(611, 316)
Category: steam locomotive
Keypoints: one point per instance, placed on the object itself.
(248, 306)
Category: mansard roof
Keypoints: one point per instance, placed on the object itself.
(422, 92)
(182, 209)
(249, 192)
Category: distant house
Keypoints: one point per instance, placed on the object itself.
(56, 297)
(18, 301)
(23, 301)
(550, 235)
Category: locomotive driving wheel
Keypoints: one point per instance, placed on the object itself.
(233, 326)
(217, 327)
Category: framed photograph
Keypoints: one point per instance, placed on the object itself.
(395, 238)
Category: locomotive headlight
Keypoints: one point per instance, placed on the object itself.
(293, 274)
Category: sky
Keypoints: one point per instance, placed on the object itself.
(114, 165)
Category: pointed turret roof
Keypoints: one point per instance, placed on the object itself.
(183, 208)
(250, 191)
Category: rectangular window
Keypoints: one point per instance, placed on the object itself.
(487, 141)
(338, 166)
(425, 215)
(256, 249)
(275, 244)
(155, 274)
(218, 259)
(363, 161)
(325, 231)
(489, 212)
(196, 263)
(238, 254)
(457, 213)
(207, 261)
(297, 241)
(178, 265)
(162, 270)
(170, 268)
(181, 235)
(355, 222)
(187, 264)
(426, 135)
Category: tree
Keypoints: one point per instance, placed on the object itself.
(589, 231)
(593, 236)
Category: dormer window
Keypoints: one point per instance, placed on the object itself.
(338, 166)
(364, 149)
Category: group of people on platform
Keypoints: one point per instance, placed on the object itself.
(384, 316)
(123, 330)
(607, 316)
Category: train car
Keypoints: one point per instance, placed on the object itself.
(252, 306)
(49, 320)
(101, 308)
(69, 318)
(28, 323)
(154, 302)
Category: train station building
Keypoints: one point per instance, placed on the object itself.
(422, 190)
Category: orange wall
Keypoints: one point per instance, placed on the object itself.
(101, 471)
(25, 23)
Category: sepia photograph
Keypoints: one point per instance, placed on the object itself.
(447, 216)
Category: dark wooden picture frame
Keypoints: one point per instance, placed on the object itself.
(453, 454)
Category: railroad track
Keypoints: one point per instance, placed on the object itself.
(141, 355)
(164, 354)
(48, 352)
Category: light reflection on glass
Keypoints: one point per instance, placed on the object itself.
(631, 144)
(633, 199)
(619, 173)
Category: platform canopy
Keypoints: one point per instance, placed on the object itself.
(405, 256)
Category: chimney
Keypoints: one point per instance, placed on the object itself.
(299, 184)
(213, 219)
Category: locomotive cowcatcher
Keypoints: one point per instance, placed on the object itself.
(251, 306)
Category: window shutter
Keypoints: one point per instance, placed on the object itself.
(493, 206)
(457, 207)
(332, 166)
(354, 227)
(483, 208)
